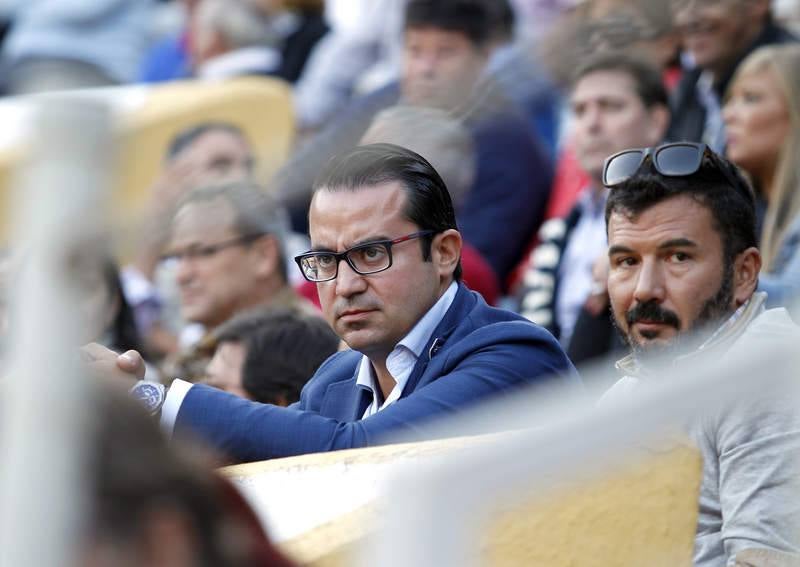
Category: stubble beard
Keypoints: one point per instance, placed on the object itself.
(712, 314)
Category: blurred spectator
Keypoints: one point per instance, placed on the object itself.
(230, 38)
(109, 318)
(762, 119)
(515, 68)
(268, 355)
(717, 35)
(157, 505)
(618, 102)
(168, 59)
(62, 44)
(227, 242)
(363, 48)
(309, 28)
(233, 37)
(642, 28)
(204, 154)
(447, 47)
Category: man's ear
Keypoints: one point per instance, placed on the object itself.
(269, 257)
(446, 251)
(746, 268)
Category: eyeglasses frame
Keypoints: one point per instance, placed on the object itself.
(344, 255)
(209, 250)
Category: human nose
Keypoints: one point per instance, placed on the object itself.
(729, 112)
(590, 119)
(650, 284)
(348, 281)
(426, 64)
(184, 270)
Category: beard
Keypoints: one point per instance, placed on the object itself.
(713, 311)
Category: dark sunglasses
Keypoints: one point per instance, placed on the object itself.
(670, 160)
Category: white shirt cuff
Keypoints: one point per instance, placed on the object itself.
(172, 404)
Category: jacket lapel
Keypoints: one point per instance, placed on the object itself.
(346, 400)
(462, 304)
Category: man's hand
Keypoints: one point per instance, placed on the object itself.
(125, 368)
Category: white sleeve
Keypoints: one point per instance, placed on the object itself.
(172, 404)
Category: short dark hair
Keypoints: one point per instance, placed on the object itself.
(646, 77)
(505, 20)
(428, 202)
(473, 18)
(187, 137)
(283, 347)
(255, 211)
(718, 185)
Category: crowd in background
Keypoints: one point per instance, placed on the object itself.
(509, 110)
(517, 104)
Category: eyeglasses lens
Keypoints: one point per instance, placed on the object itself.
(318, 267)
(622, 167)
(678, 160)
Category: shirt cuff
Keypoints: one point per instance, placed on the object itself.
(172, 404)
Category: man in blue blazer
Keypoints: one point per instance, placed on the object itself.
(386, 259)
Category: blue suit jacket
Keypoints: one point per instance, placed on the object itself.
(476, 352)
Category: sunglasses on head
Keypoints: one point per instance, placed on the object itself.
(670, 160)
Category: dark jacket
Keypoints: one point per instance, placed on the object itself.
(475, 353)
(688, 113)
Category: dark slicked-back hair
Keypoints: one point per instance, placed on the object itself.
(473, 18)
(428, 203)
(717, 185)
(646, 77)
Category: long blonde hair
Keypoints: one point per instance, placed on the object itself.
(784, 195)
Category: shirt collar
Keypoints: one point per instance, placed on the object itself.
(415, 340)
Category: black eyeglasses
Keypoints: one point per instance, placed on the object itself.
(198, 251)
(365, 259)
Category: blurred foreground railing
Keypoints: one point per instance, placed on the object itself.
(442, 508)
(58, 210)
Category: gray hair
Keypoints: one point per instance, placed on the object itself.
(241, 22)
(434, 134)
(255, 211)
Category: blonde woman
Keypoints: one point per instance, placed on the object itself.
(762, 121)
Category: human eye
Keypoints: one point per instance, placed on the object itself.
(201, 251)
(679, 257)
(445, 51)
(623, 261)
(324, 261)
(370, 255)
(751, 97)
(612, 105)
